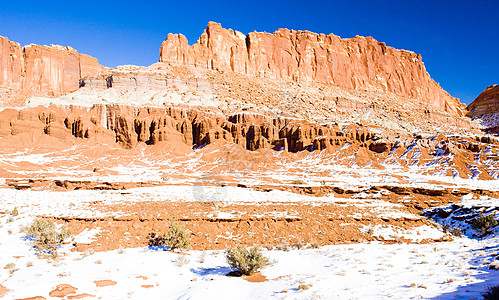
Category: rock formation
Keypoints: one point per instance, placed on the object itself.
(184, 129)
(358, 63)
(129, 126)
(486, 103)
(36, 70)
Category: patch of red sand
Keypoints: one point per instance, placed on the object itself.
(62, 290)
(80, 296)
(257, 277)
(106, 282)
(3, 291)
(147, 286)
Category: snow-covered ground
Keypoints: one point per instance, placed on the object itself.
(78, 203)
(312, 168)
(449, 270)
(487, 120)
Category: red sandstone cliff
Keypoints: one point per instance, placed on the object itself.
(43, 70)
(356, 63)
(486, 103)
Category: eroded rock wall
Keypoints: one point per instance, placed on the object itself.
(486, 103)
(128, 126)
(357, 63)
(36, 70)
(185, 129)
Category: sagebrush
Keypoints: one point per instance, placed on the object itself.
(177, 238)
(45, 235)
(246, 261)
(484, 223)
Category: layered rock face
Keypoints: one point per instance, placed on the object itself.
(129, 126)
(486, 103)
(36, 70)
(184, 129)
(357, 63)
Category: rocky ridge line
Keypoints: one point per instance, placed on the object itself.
(359, 63)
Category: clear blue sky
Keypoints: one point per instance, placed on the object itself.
(459, 40)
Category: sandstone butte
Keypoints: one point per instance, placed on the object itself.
(486, 103)
(36, 70)
(360, 63)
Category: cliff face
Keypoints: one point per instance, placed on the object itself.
(183, 128)
(486, 103)
(357, 63)
(43, 70)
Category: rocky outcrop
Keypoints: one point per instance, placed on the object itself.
(486, 103)
(183, 129)
(36, 70)
(129, 126)
(356, 63)
(12, 70)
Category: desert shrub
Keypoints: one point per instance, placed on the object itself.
(314, 245)
(182, 260)
(282, 247)
(483, 223)
(45, 236)
(11, 267)
(298, 182)
(202, 258)
(456, 232)
(15, 212)
(246, 261)
(298, 244)
(492, 293)
(177, 238)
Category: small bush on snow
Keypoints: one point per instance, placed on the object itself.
(303, 286)
(246, 261)
(456, 232)
(298, 244)
(11, 267)
(177, 238)
(182, 260)
(45, 236)
(202, 258)
(483, 223)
